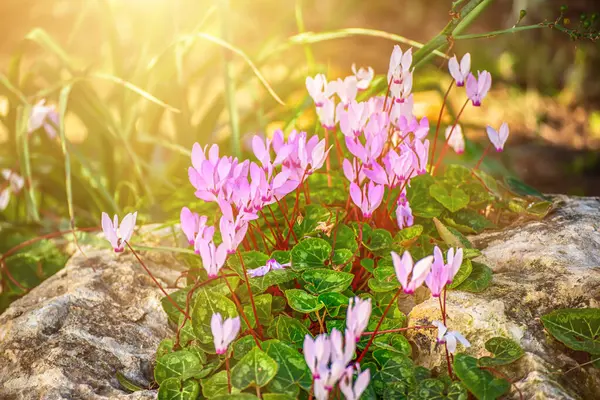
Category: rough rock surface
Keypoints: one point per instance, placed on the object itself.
(538, 267)
(68, 338)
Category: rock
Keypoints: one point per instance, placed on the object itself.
(68, 337)
(538, 267)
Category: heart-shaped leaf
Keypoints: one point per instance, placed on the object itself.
(315, 219)
(293, 372)
(379, 242)
(175, 389)
(252, 260)
(333, 302)
(310, 253)
(272, 278)
(505, 351)
(578, 329)
(255, 368)
(302, 302)
(465, 270)
(482, 384)
(263, 309)
(288, 330)
(421, 202)
(321, 280)
(407, 236)
(207, 304)
(453, 199)
(175, 365)
(478, 280)
(216, 385)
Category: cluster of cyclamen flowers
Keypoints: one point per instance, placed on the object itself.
(387, 141)
(243, 188)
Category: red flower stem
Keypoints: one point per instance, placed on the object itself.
(487, 149)
(11, 278)
(437, 127)
(364, 352)
(258, 326)
(287, 220)
(241, 311)
(327, 160)
(445, 148)
(228, 374)
(155, 281)
(399, 330)
(275, 220)
(270, 227)
(338, 148)
(448, 363)
(388, 93)
(264, 239)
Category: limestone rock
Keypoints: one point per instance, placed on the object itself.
(68, 337)
(538, 267)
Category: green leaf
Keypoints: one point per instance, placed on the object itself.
(368, 264)
(293, 371)
(471, 219)
(450, 236)
(237, 396)
(420, 200)
(263, 309)
(310, 253)
(465, 270)
(174, 389)
(333, 302)
(164, 347)
(252, 260)
(453, 199)
(242, 346)
(394, 368)
(321, 280)
(272, 278)
(302, 302)
(206, 305)
(478, 280)
(489, 182)
(379, 242)
(384, 279)
(343, 237)
(281, 256)
(435, 389)
(289, 330)
(505, 351)
(521, 188)
(539, 209)
(407, 236)
(315, 219)
(216, 385)
(175, 365)
(395, 343)
(457, 174)
(482, 384)
(341, 257)
(578, 329)
(277, 396)
(127, 384)
(255, 368)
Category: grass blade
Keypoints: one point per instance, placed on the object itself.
(22, 134)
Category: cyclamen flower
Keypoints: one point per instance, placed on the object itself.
(404, 215)
(191, 224)
(478, 88)
(499, 138)
(346, 88)
(232, 234)
(455, 138)
(342, 348)
(213, 257)
(368, 199)
(353, 392)
(357, 317)
(399, 65)
(13, 185)
(271, 265)
(224, 332)
(405, 269)
(317, 88)
(326, 114)
(363, 77)
(43, 116)
(353, 120)
(460, 73)
(450, 337)
(117, 234)
(316, 158)
(316, 353)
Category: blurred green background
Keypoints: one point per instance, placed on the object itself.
(137, 82)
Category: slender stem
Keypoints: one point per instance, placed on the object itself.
(242, 313)
(445, 344)
(258, 326)
(327, 160)
(487, 149)
(445, 148)
(437, 127)
(155, 281)
(399, 330)
(501, 32)
(275, 235)
(258, 392)
(228, 374)
(11, 278)
(274, 219)
(364, 352)
(287, 220)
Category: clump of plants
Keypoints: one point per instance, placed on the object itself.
(303, 252)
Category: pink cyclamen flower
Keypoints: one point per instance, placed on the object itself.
(43, 116)
(450, 337)
(346, 88)
(369, 199)
(13, 185)
(357, 317)
(353, 120)
(457, 139)
(411, 275)
(342, 349)
(317, 88)
(363, 77)
(271, 265)
(353, 392)
(224, 332)
(316, 353)
(326, 114)
(478, 88)
(438, 275)
(191, 224)
(399, 65)
(213, 257)
(404, 215)
(460, 72)
(232, 233)
(117, 234)
(499, 138)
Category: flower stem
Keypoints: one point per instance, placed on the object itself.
(487, 149)
(258, 326)
(287, 220)
(443, 311)
(364, 352)
(228, 374)
(437, 127)
(445, 148)
(155, 281)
